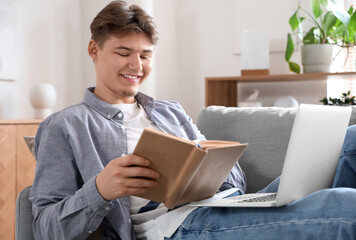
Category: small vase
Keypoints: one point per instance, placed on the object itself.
(317, 57)
(42, 97)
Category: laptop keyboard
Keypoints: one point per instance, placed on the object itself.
(268, 198)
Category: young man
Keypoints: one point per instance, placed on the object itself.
(85, 175)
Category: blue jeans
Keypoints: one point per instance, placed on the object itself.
(325, 214)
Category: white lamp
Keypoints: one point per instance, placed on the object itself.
(255, 52)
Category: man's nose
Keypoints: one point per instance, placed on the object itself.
(135, 63)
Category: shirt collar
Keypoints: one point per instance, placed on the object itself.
(109, 111)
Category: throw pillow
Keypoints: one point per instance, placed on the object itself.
(30, 142)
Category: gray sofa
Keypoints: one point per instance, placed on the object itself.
(266, 129)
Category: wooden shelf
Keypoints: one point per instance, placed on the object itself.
(223, 90)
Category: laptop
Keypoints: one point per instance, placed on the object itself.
(312, 156)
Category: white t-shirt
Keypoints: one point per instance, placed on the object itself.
(151, 220)
(144, 213)
(135, 120)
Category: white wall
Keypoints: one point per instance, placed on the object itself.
(204, 32)
(89, 10)
(50, 53)
(197, 40)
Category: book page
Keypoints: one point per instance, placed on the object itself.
(217, 143)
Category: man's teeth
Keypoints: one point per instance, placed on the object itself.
(130, 76)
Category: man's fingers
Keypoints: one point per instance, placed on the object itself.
(133, 186)
(134, 166)
(140, 183)
(124, 176)
(140, 172)
(132, 160)
(133, 191)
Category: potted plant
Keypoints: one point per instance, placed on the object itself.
(331, 25)
(345, 100)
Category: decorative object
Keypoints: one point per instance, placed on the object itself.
(286, 101)
(42, 97)
(332, 25)
(345, 100)
(251, 101)
(250, 104)
(255, 51)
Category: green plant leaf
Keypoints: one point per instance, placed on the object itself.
(349, 37)
(339, 23)
(317, 11)
(351, 10)
(352, 24)
(339, 12)
(324, 3)
(338, 32)
(346, 99)
(324, 101)
(294, 21)
(294, 67)
(329, 21)
(350, 33)
(310, 37)
(289, 48)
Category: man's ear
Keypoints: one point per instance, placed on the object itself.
(93, 49)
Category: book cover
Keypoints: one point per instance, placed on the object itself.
(188, 172)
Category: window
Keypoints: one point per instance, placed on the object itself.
(336, 87)
(350, 65)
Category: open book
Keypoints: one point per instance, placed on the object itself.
(189, 171)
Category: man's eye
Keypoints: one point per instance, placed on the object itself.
(122, 54)
(145, 57)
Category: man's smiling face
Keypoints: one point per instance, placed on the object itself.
(121, 65)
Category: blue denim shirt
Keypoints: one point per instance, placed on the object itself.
(73, 146)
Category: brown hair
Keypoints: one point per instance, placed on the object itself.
(118, 18)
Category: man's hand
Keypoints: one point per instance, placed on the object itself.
(125, 176)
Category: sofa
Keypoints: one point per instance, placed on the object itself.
(265, 129)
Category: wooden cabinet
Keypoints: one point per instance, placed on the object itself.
(223, 90)
(17, 169)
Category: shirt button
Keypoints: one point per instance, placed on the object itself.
(109, 116)
(119, 115)
(123, 155)
(107, 208)
(90, 232)
(122, 128)
(129, 220)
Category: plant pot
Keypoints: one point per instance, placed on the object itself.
(317, 57)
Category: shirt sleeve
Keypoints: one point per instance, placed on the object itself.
(235, 179)
(63, 206)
